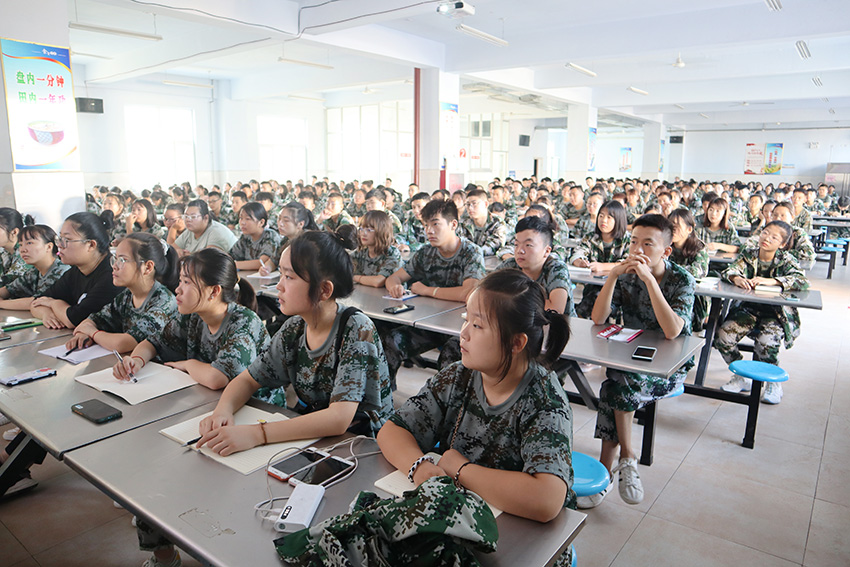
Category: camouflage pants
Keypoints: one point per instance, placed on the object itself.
(839, 232)
(588, 298)
(150, 538)
(627, 391)
(741, 321)
(405, 342)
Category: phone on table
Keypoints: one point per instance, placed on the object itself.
(310, 466)
(644, 353)
(395, 310)
(96, 411)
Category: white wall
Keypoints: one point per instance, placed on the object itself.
(720, 155)
(520, 158)
(608, 155)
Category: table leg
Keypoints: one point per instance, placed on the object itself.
(646, 448)
(579, 380)
(710, 330)
(25, 454)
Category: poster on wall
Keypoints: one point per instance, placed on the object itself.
(661, 157)
(625, 159)
(450, 136)
(754, 159)
(773, 159)
(40, 105)
(591, 150)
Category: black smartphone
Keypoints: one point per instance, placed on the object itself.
(96, 411)
(644, 353)
(395, 310)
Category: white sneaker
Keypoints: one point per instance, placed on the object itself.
(772, 393)
(594, 500)
(737, 384)
(10, 434)
(631, 488)
(3, 420)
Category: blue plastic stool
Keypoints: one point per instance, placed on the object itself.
(832, 252)
(589, 475)
(758, 372)
(574, 562)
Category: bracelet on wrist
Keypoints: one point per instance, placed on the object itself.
(416, 464)
(434, 293)
(457, 474)
(140, 358)
(95, 333)
(262, 425)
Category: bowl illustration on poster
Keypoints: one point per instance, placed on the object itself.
(46, 132)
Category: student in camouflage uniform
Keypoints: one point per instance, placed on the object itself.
(376, 258)
(412, 236)
(840, 208)
(480, 227)
(802, 218)
(602, 250)
(690, 253)
(114, 204)
(586, 224)
(357, 207)
(142, 218)
(37, 249)
(532, 255)
(799, 245)
(499, 411)
(258, 243)
(294, 219)
(11, 264)
(376, 200)
(336, 368)
(814, 205)
(147, 268)
(752, 215)
(716, 232)
(575, 208)
(334, 215)
(230, 215)
(558, 249)
(654, 294)
(769, 325)
(447, 269)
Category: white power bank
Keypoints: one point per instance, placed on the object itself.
(300, 508)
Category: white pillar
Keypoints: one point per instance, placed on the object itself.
(439, 129)
(581, 149)
(49, 196)
(653, 133)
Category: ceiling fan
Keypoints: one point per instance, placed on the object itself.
(746, 103)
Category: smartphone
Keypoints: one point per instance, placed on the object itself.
(395, 310)
(310, 466)
(644, 353)
(96, 411)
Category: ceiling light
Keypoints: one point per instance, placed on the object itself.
(637, 90)
(817, 82)
(679, 106)
(678, 63)
(301, 97)
(803, 50)
(832, 111)
(774, 5)
(90, 55)
(581, 69)
(183, 84)
(482, 35)
(114, 31)
(704, 116)
(456, 9)
(302, 62)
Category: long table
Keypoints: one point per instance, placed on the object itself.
(30, 334)
(183, 493)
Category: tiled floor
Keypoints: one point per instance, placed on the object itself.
(708, 500)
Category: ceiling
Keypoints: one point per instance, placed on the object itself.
(742, 69)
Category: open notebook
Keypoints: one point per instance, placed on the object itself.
(396, 483)
(154, 380)
(245, 462)
(77, 356)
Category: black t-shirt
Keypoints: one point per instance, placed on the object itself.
(85, 294)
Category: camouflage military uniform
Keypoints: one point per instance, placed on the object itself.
(121, 316)
(157, 230)
(490, 237)
(381, 265)
(698, 268)
(555, 275)
(32, 284)
(722, 235)
(93, 207)
(227, 217)
(628, 391)
(342, 218)
(413, 233)
(800, 246)
(246, 248)
(357, 373)
(357, 211)
(428, 266)
(826, 203)
(397, 228)
(843, 232)
(119, 230)
(570, 212)
(593, 249)
(803, 220)
(817, 208)
(558, 249)
(770, 323)
(12, 265)
(238, 341)
(585, 227)
(432, 526)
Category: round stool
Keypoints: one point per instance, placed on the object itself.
(677, 392)
(761, 371)
(589, 475)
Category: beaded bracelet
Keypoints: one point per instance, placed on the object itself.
(457, 474)
(416, 464)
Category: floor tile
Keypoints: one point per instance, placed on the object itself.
(607, 528)
(28, 562)
(838, 434)
(766, 518)
(834, 478)
(780, 421)
(13, 551)
(658, 543)
(828, 544)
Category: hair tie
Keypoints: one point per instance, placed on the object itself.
(164, 246)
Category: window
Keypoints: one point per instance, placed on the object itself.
(160, 145)
(283, 147)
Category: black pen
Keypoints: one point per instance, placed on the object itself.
(192, 442)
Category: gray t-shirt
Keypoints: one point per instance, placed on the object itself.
(216, 235)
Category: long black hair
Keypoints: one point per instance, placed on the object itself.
(148, 248)
(211, 266)
(621, 222)
(692, 246)
(319, 256)
(92, 227)
(301, 213)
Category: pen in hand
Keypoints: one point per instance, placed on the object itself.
(121, 360)
(192, 442)
(70, 350)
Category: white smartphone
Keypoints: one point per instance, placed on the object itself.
(310, 466)
(644, 353)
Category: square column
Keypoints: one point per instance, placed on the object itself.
(654, 151)
(439, 130)
(581, 143)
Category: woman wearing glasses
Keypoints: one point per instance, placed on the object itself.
(146, 267)
(376, 258)
(172, 219)
(202, 231)
(83, 244)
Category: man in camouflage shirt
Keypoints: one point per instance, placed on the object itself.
(480, 227)
(376, 200)
(412, 236)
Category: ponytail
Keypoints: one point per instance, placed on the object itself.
(559, 336)
(148, 248)
(210, 266)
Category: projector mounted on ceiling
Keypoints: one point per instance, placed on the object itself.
(456, 9)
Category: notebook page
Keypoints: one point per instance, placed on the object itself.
(79, 355)
(154, 380)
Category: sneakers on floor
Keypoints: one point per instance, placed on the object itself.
(737, 384)
(594, 500)
(154, 562)
(11, 433)
(631, 488)
(772, 393)
(22, 485)
(3, 420)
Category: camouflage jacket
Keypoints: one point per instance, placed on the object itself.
(784, 269)
(570, 212)
(12, 265)
(428, 266)
(593, 249)
(489, 237)
(434, 525)
(342, 218)
(696, 266)
(803, 220)
(585, 226)
(722, 236)
(381, 265)
(554, 275)
(356, 211)
(356, 373)
(800, 246)
(32, 284)
(121, 316)
(413, 233)
(246, 248)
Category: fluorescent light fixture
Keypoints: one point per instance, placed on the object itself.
(302, 62)
(679, 106)
(803, 50)
(678, 63)
(581, 69)
(114, 31)
(184, 84)
(637, 91)
(301, 97)
(90, 55)
(824, 99)
(474, 32)
(704, 116)
(774, 5)
(817, 82)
